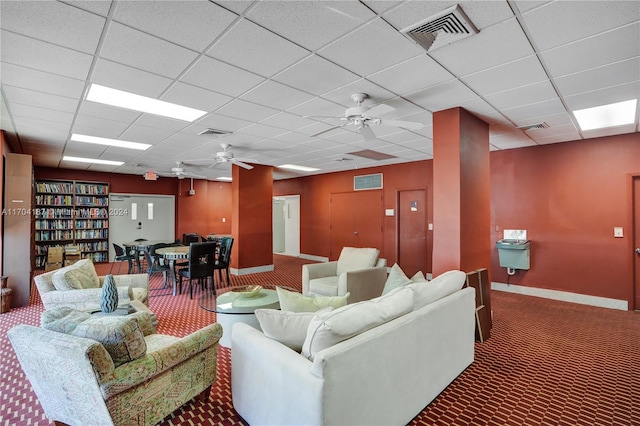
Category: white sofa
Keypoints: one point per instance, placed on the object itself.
(383, 376)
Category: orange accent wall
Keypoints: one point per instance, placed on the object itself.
(461, 192)
(252, 224)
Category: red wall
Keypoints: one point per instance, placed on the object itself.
(568, 197)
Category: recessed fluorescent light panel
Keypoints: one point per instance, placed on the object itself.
(298, 168)
(122, 99)
(224, 178)
(610, 115)
(110, 142)
(92, 160)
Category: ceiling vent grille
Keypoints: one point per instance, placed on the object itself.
(213, 132)
(542, 125)
(441, 29)
(367, 182)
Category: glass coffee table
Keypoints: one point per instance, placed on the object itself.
(233, 304)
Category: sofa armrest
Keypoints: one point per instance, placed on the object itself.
(140, 370)
(261, 366)
(85, 299)
(129, 280)
(363, 284)
(317, 270)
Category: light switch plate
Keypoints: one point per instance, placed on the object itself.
(618, 232)
(389, 212)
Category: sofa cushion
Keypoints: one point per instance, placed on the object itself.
(353, 259)
(326, 286)
(296, 302)
(328, 328)
(288, 328)
(62, 319)
(80, 275)
(443, 285)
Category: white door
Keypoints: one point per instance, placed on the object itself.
(278, 225)
(289, 231)
(140, 216)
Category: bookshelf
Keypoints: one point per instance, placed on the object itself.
(72, 213)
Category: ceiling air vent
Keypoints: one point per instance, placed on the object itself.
(542, 125)
(213, 132)
(367, 182)
(443, 28)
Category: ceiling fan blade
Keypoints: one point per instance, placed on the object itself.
(379, 110)
(367, 133)
(327, 130)
(241, 164)
(400, 123)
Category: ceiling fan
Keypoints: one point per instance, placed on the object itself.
(180, 172)
(362, 118)
(224, 156)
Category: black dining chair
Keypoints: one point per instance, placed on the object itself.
(201, 261)
(121, 256)
(224, 258)
(139, 254)
(190, 238)
(155, 265)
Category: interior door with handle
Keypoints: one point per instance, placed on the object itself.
(636, 241)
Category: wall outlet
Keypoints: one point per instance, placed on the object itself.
(618, 232)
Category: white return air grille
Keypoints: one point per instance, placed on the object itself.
(443, 28)
(367, 182)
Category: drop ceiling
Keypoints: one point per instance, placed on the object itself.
(260, 68)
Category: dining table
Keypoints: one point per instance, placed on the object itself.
(172, 254)
(140, 246)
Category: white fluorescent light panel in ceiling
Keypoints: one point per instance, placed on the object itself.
(92, 161)
(122, 99)
(298, 168)
(110, 142)
(611, 115)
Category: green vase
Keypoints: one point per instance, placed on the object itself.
(109, 296)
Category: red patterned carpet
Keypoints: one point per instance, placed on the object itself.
(546, 363)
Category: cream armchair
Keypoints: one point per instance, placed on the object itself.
(78, 286)
(357, 271)
(77, 382)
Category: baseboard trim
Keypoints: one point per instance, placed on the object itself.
(312, 257)
(252, 270)
(565, 296)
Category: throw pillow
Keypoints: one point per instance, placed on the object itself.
(120, 335)
(80, 275)
(296, 302)
(288, 328)
(328, 328)
(353, 259)
(443, 285)
(419, 277)
(62, 319)
(396, 279)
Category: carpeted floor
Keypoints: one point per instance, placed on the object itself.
(546, 363)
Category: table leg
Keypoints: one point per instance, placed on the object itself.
(172, 272)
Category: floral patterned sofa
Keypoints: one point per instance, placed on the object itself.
(78, 286)
(125, 375)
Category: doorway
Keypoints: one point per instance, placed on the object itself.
(140, 216)
(636, 242)
(356, 221)
(412, 231)
(286, 225)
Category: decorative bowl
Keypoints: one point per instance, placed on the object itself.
(248, 291)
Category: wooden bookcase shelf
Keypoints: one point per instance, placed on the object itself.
(72, 212)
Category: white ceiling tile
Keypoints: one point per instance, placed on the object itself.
(101, 127)
(277, 95)
(442, 96)
(220, 77)
(371, 48)
(284, 120)
(41, 130)
(343, 95)
(53, 22)
(521, 72)
(140, 50)
(577, 19)
(318, 107)
(145, 134)
(558, 138)
(122, 77)
(30, 53)
(600, 78)
(579, 56)
(311, 24)
(499, 44)
(256, 49)
(316, 75)
(412, 75)
(219, 122)
(535, 111)
(45, 114)
(481, 13)
(195, 97)
(605, 96)
(166, 123)
(26, 78)
(237, 6)
(100, 7)
(610, 131)
(262, 130)
(19, 96)
(246, 110)
(97, 110)
(531, 93)
(192, 24)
